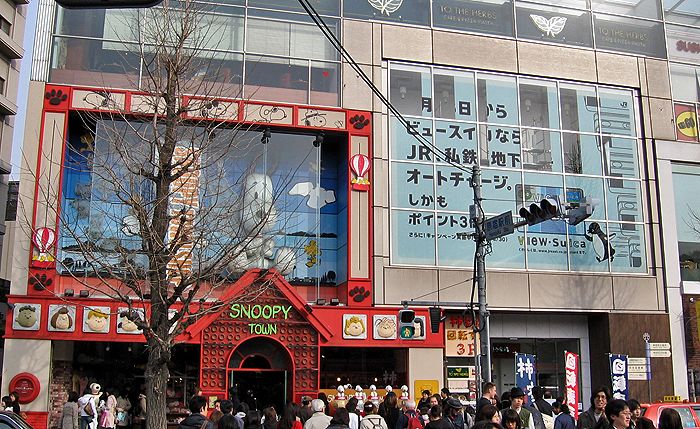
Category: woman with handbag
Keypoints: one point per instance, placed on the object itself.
(123, 409)
(108, 411)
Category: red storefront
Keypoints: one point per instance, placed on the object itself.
(277, 339)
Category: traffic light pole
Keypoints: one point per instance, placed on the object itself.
(480, 275)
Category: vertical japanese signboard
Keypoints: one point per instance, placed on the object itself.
(571, 368)
(618, 376)
(526, 373)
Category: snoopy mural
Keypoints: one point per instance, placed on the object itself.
(258, 223)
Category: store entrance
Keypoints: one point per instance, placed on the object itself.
(261, 388)
(260, 371)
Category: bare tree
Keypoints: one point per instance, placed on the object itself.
(164, 218)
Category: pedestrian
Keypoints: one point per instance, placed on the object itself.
(543, 406)
(486, 424)
(638, 420)
(389, 410)
(436, 421)
(353, 415)
(505, 402)
(319, 419)
(410, 419)
(291, 418)
(517, 399)
(269, 418)
(541, 421)
(372, 420)
(228, 421)
(123, 409)
(510, 419)
(305, 412)
(197, 420)
(670, 419)
(322, 396)
(253, 420)
(488, 398)
(424, 400)
(88, 407)
(435, 400)
(7, 403)
(556, 409)
(489, 413)
(564, 420)
(226, 407)
(340, 419)
(241, 411)
(453, 413)
(618, 415)
(15, 402)
(70, 417)
(108, 411)
(590, 418)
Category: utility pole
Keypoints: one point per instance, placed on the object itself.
(480, 275)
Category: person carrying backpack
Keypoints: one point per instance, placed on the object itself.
(410, 419)
(372, 420)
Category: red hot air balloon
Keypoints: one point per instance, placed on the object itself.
(359, 164)
(43, 239)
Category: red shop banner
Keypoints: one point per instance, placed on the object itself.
(571, 368)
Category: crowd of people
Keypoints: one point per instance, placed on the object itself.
(101, 408)
(98, 409)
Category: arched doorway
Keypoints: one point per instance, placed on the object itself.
(262, 372)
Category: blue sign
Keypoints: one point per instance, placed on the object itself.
(526, 373)
(618, 376)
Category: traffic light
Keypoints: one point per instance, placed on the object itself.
(107, 4)
(435, 319)
(406, 327)
(538, 213)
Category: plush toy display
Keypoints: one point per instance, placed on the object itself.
(341, 393)
(373, 396)
(404, 393)
(359, 394)
(258, 221)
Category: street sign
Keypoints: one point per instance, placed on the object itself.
(499, 226)
(637, 361)
(636, 368)
(660, 346)
(661, 353)
(637, 376)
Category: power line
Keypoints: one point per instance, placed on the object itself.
(328, 33)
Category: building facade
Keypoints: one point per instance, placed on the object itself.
(552, 99)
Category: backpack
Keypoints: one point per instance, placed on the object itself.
(376, 422)
(414, 421)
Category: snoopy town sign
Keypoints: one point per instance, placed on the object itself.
(258, 312)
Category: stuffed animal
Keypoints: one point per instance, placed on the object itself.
(258, 220)
(404, 393)
(360, 395)
(373, 396)
(341, 393)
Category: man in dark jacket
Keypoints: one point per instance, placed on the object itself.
(488, 398)
(540, 403)
(591, 418)
(196, 419)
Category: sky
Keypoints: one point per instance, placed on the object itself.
(22, 93)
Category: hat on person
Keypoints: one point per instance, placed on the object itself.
(95, 388)
(516, 392)
(454, 403)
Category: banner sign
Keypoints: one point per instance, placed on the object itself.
(526, 373)
(618, 375)
(571, 368)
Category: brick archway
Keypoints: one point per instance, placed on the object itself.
(295, 332)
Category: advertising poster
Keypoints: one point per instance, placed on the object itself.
(526, 373)
(572, 395)
(618, 376)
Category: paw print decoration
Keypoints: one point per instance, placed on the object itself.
(359, 121)
(55, 96)
(359, 293)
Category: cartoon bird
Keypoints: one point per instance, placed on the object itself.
(601, 247)
(317, 196)
(312, 251)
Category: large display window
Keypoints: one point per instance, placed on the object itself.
(533, 139)
(300, 191)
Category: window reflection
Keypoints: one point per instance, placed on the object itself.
(277, 79)
(579, 108)
(538, 101)
(410, 91)
(640, 8)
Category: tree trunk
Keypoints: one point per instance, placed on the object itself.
(157, 374)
